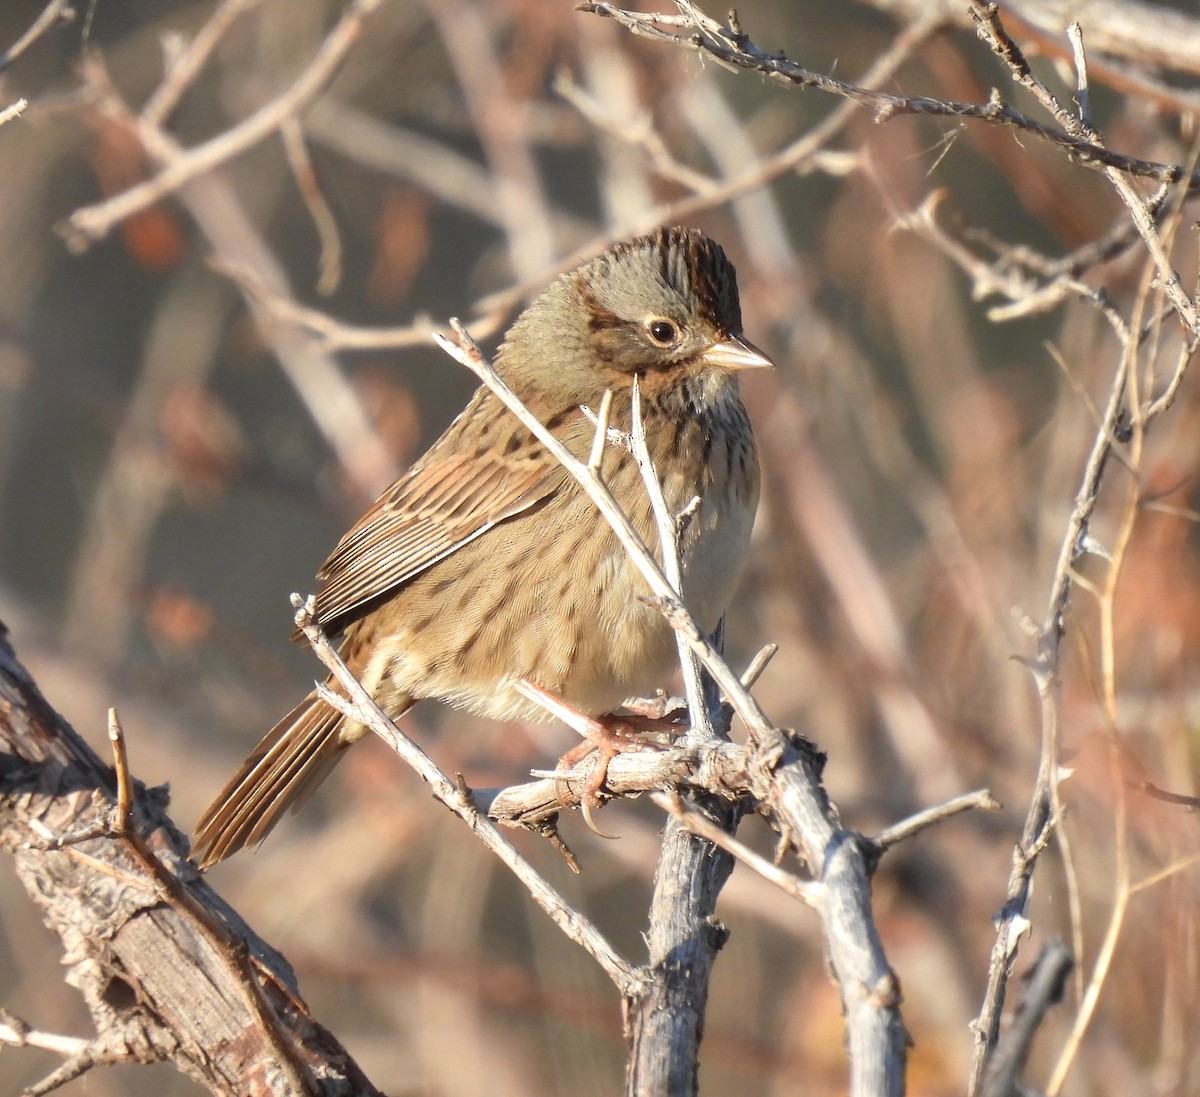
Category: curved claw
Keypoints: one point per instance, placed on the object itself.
(585, 809)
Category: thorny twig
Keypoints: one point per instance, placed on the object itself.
(1114, 427)
(730, 46)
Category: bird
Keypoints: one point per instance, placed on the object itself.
(486, 565)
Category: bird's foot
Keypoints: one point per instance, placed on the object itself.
(605, 736)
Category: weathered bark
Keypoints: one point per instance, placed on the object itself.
(167, 969)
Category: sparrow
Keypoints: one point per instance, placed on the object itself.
(486, 564)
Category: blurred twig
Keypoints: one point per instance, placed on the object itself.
(636, 130)
(238, 243)
(13, 110)
(460, 182)
(1044, 988)
(447, 174)
(55, 12)
(186, 65)
(330, 264)
(516, 183)
(91, 223)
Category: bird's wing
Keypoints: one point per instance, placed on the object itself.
(442, 503)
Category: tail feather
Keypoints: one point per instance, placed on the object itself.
(294, 757)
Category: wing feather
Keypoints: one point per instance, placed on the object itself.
(438, 507)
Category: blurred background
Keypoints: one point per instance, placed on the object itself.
(175, 461)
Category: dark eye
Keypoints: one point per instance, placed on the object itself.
(663, 332)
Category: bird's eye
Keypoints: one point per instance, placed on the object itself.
(663, 332)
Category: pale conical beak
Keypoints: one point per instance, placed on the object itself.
(736, 353)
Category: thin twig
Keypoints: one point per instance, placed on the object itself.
(1079, 129)
(1192, 803)
(981, 800)
(668, 535)
(635, 130)
(16, 1033)
(330, 264)
(323, 388)
(187, 63)
(1044, 988)
(361, 707)
(758, 664)
(806, 891)
(1041, 816)
(116, 737)
(491, 311)
(94, 1053)
(600, 439)
(54, 12)
(13, 110)
(1082, 95)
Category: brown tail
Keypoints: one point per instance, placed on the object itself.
(294, 757)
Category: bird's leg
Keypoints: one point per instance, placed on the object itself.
(607, 736)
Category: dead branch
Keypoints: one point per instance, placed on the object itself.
(168, 971)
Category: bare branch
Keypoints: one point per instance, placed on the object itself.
(361, 707)
(13, 110)
(1078, 129)
(187, 64)
(729, 46)
(703, 827)
(330, 265)
(1044, 988)
(907, 828)
(16, 1033)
